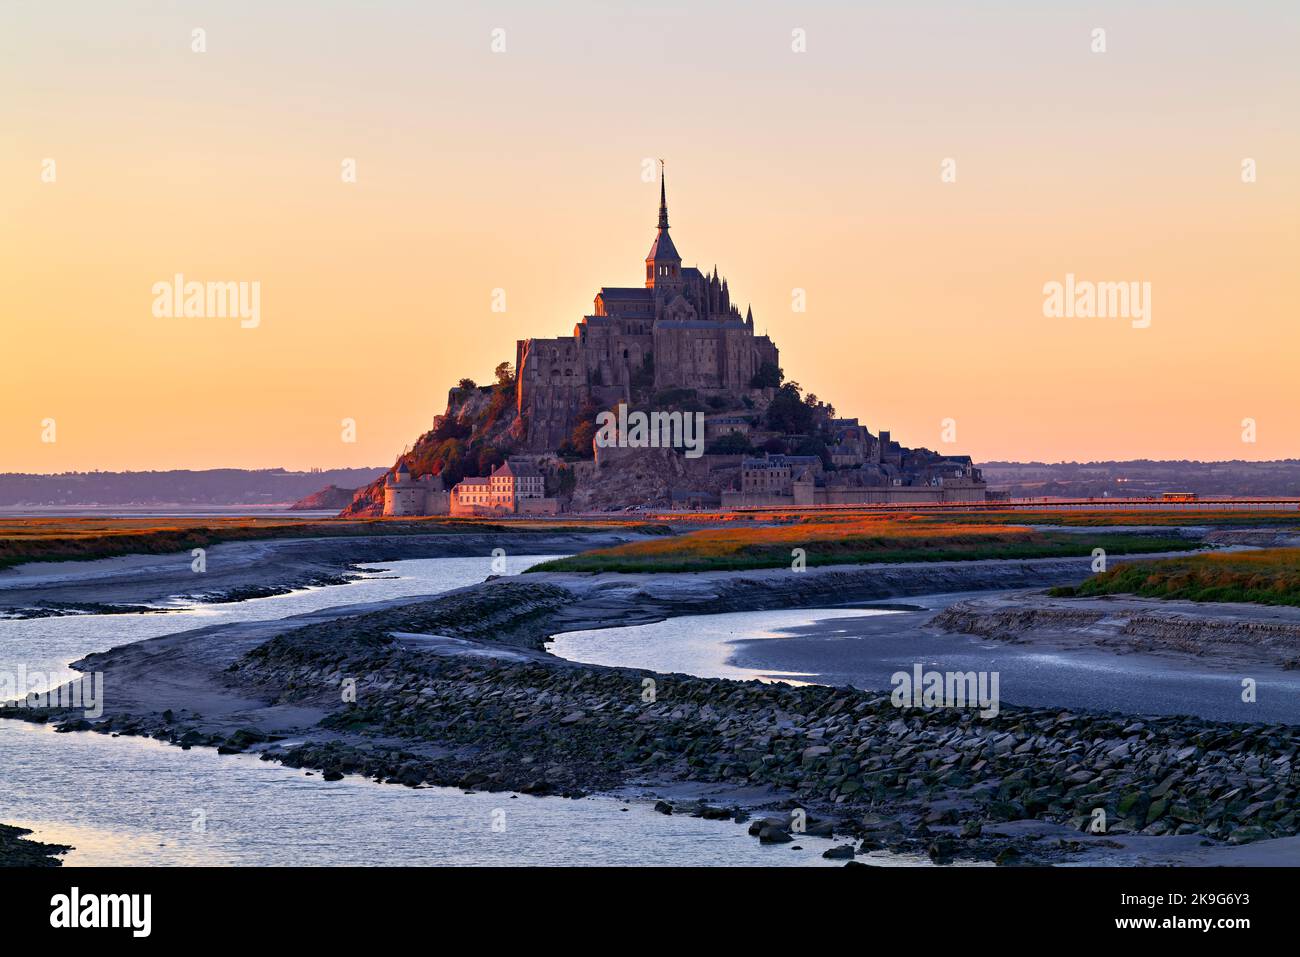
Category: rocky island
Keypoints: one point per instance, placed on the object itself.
(676, 346)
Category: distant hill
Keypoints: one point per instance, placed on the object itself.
(331, 497)
(1140, 478)
(209, 487)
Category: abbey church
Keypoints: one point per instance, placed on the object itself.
(680, 330)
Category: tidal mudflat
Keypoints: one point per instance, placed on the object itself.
(453, 688)
(1105, 656)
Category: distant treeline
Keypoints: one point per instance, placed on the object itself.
(1143, 477)
(176, 487)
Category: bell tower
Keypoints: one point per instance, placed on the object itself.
(663, 267)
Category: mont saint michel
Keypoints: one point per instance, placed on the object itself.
(612, 434)
(676, 345)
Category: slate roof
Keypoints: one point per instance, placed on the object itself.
(662, 249)
(624, 293)
(517, 470)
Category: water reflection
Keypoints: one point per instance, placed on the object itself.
(697, 645)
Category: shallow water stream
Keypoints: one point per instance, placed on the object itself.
(137, 801)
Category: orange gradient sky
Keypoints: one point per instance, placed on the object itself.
(522, 170)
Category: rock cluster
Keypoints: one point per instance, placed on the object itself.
(60, 609)
(544, 728)
(16, 850)
(498, 715)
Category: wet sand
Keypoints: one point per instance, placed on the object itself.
(220, 684)
(1071, 667)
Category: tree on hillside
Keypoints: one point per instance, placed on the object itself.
(768, 376)
(503, 394)
(733, 443)
(450, 428)
(448, 462)
(788, 412)
(579, 443)
(489, 458)
(811, 445)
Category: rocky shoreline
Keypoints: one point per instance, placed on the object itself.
(226, 596)
(454, 692)
(18, 850)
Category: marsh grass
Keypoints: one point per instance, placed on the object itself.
(860, 540)
(1266, 577)
(84, 539)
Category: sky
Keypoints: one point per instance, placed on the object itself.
(920, 171)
